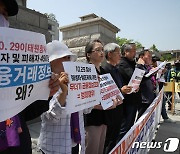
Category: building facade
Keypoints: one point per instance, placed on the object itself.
(53, 28)
(30, 20)
(91, 26)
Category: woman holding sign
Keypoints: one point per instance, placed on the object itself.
(96, 121)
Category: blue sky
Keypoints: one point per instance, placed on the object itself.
(147, 21)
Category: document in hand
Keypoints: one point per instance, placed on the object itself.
(136, 79)
(109, 91)
(159, 74)
(161, 66)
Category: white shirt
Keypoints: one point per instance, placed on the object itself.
(55, 134)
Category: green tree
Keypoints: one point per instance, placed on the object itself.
(51, 16)
(167, 57)
(154, 48)
(138, 45)
(122, 41)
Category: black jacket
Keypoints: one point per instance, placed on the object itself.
(147, 87)
(126, 69)
(113, 70)
(114, 116)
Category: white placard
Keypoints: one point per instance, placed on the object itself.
(83, 87)
(159, 74)
(24, 69)
(109, 91)
(161, 66)
(136, 79)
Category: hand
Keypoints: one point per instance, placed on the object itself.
(151, 70)
(140, 61)
(54, 83)
(98, 107)
(119, 100)
(63, 79)
(114, 104)
(136, 90)
(126, 89)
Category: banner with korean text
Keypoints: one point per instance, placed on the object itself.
(24, 70)
(142, 131)
(83, 87)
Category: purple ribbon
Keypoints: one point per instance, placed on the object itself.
(9, 136)
(75, 131)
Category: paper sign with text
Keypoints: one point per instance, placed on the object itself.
(24, 69)
(160, 74)
(136, 79)
(160, 66)
(109, 91)
(83, 87)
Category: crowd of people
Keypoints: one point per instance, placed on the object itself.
(95, 130)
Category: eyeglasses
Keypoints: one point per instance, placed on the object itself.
(98, 50)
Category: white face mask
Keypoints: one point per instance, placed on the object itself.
(3, 21)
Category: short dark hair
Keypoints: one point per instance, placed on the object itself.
(143, 52)
(155, 58)
(126, 48)
(89, 47)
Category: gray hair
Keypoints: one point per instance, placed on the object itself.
(126, 48)
(110, 47)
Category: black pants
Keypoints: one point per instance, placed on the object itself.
(130, 110)
(142, 108)
(115, 128)
(75, 150)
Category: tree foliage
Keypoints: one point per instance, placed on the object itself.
(154, 48)
(122, 41)
(167, 57)
(51, 16)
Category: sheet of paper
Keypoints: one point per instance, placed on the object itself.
(109, 91)
(136, 79)
(83, 87)
(161, 66)
(159, 74)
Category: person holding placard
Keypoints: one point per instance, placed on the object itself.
(61, 132)
(126, 68)
(147, 87)
(116, 123)
(96, 121)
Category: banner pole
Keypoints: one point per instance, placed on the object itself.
(173, 98)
